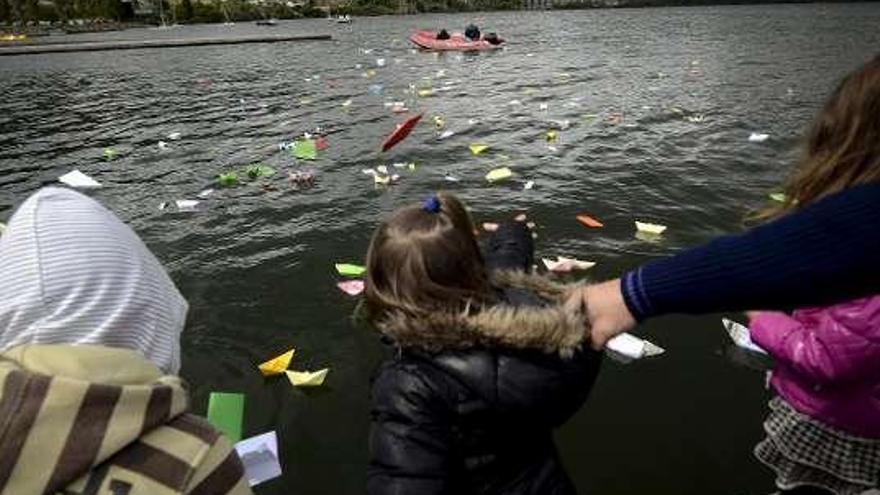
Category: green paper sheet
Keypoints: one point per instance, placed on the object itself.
(305, 149)
(349, 270)
(226, 413)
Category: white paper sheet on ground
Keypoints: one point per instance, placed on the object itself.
(741, 335)
(633, 347)
(757, 137)
(259, 455)
(79, 179)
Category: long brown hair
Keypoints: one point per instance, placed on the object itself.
(842, 145)
(425, 258)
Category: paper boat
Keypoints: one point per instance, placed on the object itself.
(351, 287)
(741, 335)
(588, 221)
(186, 204)
(79, 179)
(499, 174)
(277, 365)
(565, 265)
(476, 149)
(307, 378)
(757, 137)
(490, 227)
(650, 228)
(633, 347)
(349, 270)
(780, 197)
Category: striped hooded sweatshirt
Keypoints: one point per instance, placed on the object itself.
(98, 420)
(90, 329)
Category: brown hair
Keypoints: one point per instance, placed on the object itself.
(422, 261)
(842, 146)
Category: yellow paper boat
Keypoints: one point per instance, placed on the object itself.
(307, 378)
(426, 92)
(478, 148)
(650, 228)
(277, 365)
(499, 174)
(780, 197)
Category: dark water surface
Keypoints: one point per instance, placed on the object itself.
(257, 267)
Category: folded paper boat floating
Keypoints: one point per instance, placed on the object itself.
(277, 365)
(79, 180)
(564, 265)
(632, 347)
(757, 137)
(476, 149)
(351, 287)
(350, 270)
(186, 204)
(650, 228)
(499, 174)
(588, 221)
(741, 335)
(307, 378)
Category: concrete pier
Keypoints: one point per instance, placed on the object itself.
(141, 44)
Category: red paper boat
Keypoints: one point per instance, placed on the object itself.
(589, 221)
(401, 132)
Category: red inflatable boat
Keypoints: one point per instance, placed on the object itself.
(457, 42)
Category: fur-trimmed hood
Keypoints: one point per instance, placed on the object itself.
(548, 327)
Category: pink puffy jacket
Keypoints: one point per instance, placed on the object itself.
(828, 362)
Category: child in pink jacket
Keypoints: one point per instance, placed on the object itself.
(823, 432)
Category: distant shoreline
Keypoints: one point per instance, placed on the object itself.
(49, 27)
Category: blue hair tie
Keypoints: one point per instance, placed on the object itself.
(432, 204)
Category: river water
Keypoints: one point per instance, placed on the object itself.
(257, 265)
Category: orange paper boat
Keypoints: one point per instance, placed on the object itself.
(589, 221)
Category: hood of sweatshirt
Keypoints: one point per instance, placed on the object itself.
(72, 273)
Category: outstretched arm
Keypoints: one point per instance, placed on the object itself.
(822, 254)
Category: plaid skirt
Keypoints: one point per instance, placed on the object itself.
(804, 452)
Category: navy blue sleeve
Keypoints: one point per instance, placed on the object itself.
(510, 248)
(825, 253)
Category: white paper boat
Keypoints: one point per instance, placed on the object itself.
(204, 194)
(757, 137)
(633, 347)
(528, 185)
(564, 265)
(741, 335)
(79, 179)
(307, 378)
(186, 204)
(174, 136)
(259, 455)
(650, 228)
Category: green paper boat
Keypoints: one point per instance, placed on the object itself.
(349, 270)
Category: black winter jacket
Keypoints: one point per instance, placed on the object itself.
(469, 403)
